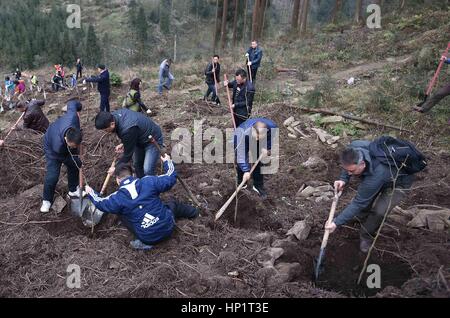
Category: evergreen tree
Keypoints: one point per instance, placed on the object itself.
(93, 50)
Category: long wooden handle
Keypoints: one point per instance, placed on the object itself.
(330, 219)
(215, 79)
(249, 70)
(225, 206)
(230, 102)
(13, 127)
(433, 80)
(108, 179)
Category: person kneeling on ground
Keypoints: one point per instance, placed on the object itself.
(139, 206)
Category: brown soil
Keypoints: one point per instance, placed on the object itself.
(35, 250)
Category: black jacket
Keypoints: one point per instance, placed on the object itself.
(210, 74)
(34, 118)
(243, 98)
(134, 130)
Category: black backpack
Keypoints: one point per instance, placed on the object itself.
(398, 153)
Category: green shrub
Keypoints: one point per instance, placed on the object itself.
(115, 79)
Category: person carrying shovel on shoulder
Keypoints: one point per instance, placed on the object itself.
(139, 206)
(61, 143)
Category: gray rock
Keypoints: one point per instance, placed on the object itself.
(300, 230)
(268, 257)
(59, 204)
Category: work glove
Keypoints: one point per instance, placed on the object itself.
(84, 82)
(149, 111)
(247, 55)
(249, 63)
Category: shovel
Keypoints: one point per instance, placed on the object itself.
(14, 126)
(79, 205)
(92, 216)
(319, 261)
(188, 191)
(433, 80)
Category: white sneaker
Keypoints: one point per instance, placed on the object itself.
(76, 194)
(46, 205)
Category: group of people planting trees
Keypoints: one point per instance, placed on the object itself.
(386, 166)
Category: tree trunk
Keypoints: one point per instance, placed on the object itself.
(305, 12)
(244, 32)
(336, 11)
(218, 24)
(263, 17)
(236, 8)
(358, 8)
(255, 21)
(223, 31)
(295, 13)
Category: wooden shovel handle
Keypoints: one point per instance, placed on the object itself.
(225, 206)
(13, 127)
(230, 102)
(108, 178)
(331, 218)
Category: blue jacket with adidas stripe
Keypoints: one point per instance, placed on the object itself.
(137, 202)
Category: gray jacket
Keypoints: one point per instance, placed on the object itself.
(134, 130)
(376, 178)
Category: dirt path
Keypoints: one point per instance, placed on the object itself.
(344, 75)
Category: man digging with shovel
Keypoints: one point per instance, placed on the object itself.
(386, 167)
(139, 206)
(247, 137)
(133, 129)
(61, 142)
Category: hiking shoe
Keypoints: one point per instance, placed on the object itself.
(218, 104)
(138, 245)
(260, 190)
(46, 205)
(365, 244)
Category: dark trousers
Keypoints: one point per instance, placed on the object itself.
(104, 103)
(254, 72)
(240, 119)
(179, 210)
(258, 178)
(436, 98)
(372, 217)
(79, 74)
(52, 177)
(212, 89)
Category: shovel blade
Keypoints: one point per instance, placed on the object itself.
(92, 216)
(318, 269)
(78, 206)
(423, 102)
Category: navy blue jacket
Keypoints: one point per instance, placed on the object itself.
(243, 98)
(103, 84)
(242, 137)
(375, 178)
(137, 200)
(55, 146)
(255, 56)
